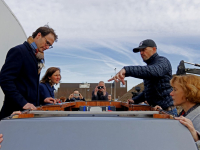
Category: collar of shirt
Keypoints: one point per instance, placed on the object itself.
(151, 58)
(183, 113)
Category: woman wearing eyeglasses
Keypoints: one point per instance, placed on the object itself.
(46, 87)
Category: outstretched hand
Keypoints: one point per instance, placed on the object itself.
(58, 101)
(119, 76)
(16, 113)
(29, 106)
(50, 100)
(81, 97)
(156, 108)
(130, 101)
(1, 138)
(188, 123)
(96, 90)
(71, 96)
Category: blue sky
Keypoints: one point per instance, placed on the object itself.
(96, 36)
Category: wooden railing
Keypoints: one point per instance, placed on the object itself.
(76, 105)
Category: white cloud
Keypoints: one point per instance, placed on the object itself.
(103, 19)
(96, 36)
(189, 53)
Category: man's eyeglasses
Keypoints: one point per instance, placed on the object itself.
(48, 43)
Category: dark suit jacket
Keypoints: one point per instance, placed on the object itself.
(19, 79)
(45, 91)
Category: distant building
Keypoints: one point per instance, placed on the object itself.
(86, 89)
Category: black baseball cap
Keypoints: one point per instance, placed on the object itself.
(144, 44)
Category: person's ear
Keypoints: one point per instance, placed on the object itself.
(38, 35)
(154, 49)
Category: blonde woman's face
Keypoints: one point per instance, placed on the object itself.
(178, 95)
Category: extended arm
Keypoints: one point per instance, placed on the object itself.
(45, 97)
(188, 123)
(94, 97)
(158, 69)
(138, 99)
(104, 97)
(1, 138)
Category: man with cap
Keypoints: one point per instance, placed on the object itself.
(156, 76)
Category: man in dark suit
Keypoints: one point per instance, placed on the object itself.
(19, 76)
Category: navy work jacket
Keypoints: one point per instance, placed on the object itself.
(156, 76)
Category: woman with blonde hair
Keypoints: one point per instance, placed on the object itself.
(186, 93)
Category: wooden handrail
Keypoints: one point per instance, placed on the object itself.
(56, 107)
(134, 107)
(71, 105)
(97, 103)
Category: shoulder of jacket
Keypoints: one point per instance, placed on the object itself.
(195, 114)
(23, 48)
(42, 85)
(162, 58)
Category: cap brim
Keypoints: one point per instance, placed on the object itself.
(135, 50)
